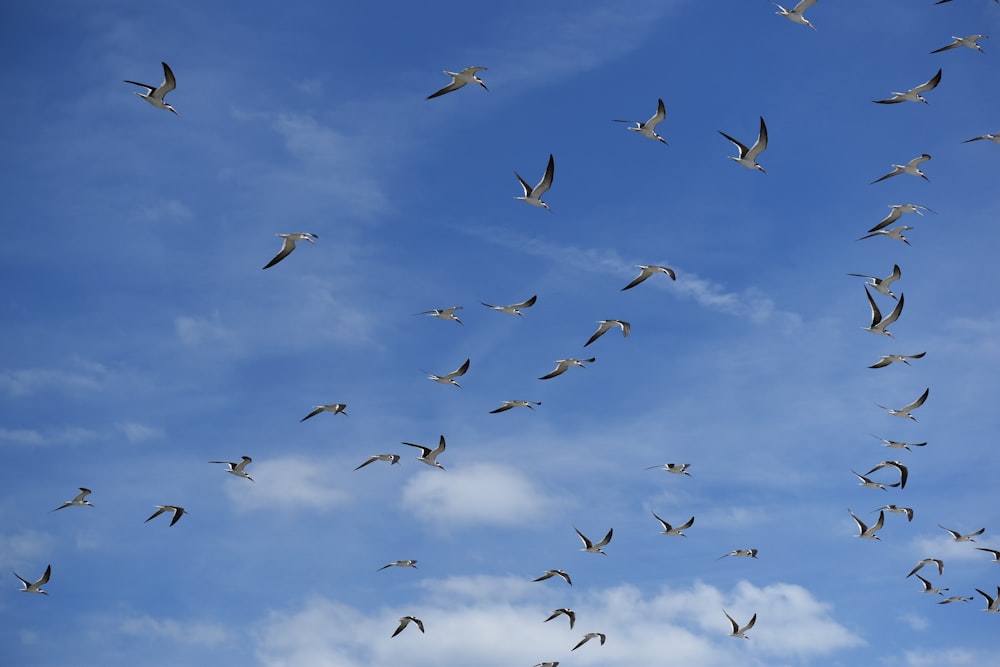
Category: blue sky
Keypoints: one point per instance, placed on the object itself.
(142, 339)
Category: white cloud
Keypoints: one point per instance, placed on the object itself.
(16, 549)
(200, 632)
(21, 436)
(199, 330)
(289, 483)
(84, 375)
(138, 432)
(69, 435)
(952, 657)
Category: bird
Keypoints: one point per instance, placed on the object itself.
(428, 455)
(737, 630)
(515, 308)
(675, 468)
(548, 664)
(393, 459)
(587, 637)
(406, 620)
(742, 553)
(995, 138)
(399, 563)
(928, 588)
(911, 167)
(449, 378)
(569, 613)
(79, 499)
(913, 94)
(670, 530)
(903, 471)
(37, 586)
(928, 561)
(443, 313)
(796, 14)
(894, 233)
(335, 408)
(996, 553)
(562, 365)
(160, 509)
(507, 405)
(555, 573)
(648, 129)
(908, 511)
(460, 79)
(589, 546)
(155, 94)
(533, 195)
(604, 325)
(896, 444)
(869, 484)
(881, 285)
(237, 468)
(992, 604)
(958, 537)
(892, 358)
(866, 533)
(969, 42)
(905, 410)
(288, 242)
(748, 156)
(956, 598)
(896, 211)
(645, 271)
(879, 323)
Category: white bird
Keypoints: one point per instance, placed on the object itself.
(648, 129)
(796, 14)
(393, 459)
(894, 233)
(514, 308)
(741, 553)
(37, 586)
(406, 620)
(881, 285)
(737, 630)
(443, 313)
(879, 323)
(335, 408)
(605, 325)
(428, 455)
(587, 637)
(590, 546)
(288, 245)
(562, 365)
(903, 471)
(956, 598)
(568, 613)
(995, 138)
(869, 484)
(896, 444)
(866, 533)
(912, 168)
(905, 410)
(548, 664)
(507, 405)
(555, 573)
(748, 156)
(155, 94)
(399, 563)
(908, 511)
(928, 561)
(896, 211)
(928, 588)
(237, 468)
(79, 499)
(675, 468)
(968, 42)
(160, 509)
(670, 530)
(645, 271)
(449, 378)
(992, 604)
(893, 358)
(532, 195)
(460, 79)
(958, 537)
(913, 94)
(996, 554)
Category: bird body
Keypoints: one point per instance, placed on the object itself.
(35, 587)
(648, 129)
(508, 405)
(288, 242)
(645, 271)
(904, 411)
(737, 630)
(881, 285)
(78, 500)
(405, 621)
(428, 455)
(568, 613)
(605, 325)
(459, 80)
(589, 546)
(335, 408)
(443, 313)
(515, 308)
(587, 637)
(533, 195)
(449, 378)
(865, 532)
(796, 14)
(670, 530)
(968, 42)
(913, 94)
(748, 156)
(879, 324)
(562, 365)
(160, 509)
(959, 537)
(155, 94)
(237, 469)
(555, 573)
(393, 459)
(400, 563)
(912, 168)
(894, 358)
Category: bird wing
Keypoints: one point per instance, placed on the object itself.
(930, 84)
(546, 182)
(917, 403)
(743, 149)
(759, 145)
(454, 85)
(287, 246)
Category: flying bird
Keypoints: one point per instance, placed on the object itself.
(896, 212)
(37, 586)
(896, 444)
(866, 533)
(533, 195)
(605, 325)
(881, 285)
(406, 620)
(443, 313)
(956, 598)
(393, 459)
(879, 324)
(968, 42)
(903, 471)
(996, 553)
(237, 469)
(670, 530)
(958, 537)
(645, 271)
(155, 94)
(741, 553)
(507, 405)
(913, 94)
(928, 588)
(587, 637)
(995, 138)
(894, 233)
(399, 563)
(555, 573)
(428, 455)
(449, 378)
(737, 630)
(288, 242)
(869, 484)
(675, 468)
(796, 14)
(912, 167)
(992, 604)
(514, 308)
(568, 613)
(562, 365)
(460, 79)
(79, 499)
(908, 511)
(905, 410)
(648, 129)
(590, 546)
(893, 358)
(928, 561)
(335, 408)
(160, 509)
(748, 156)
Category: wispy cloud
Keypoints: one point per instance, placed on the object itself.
(80, 375)
(61, 436)
(135, 432)
(291, 483)
(16, 549)
(198, 330)
(201, 632)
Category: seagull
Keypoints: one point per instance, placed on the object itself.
(569, 613)
(562, 365)
(37, 586)
(969, 42)
(891, 358)
(896, 212)
(928, 561)
(928, 588)
(460, 79)
(79, 499)
(160, 509)
(866, 533)
(548, 664)
(908, 511)
(905, 410)
(737, 630)
(881, 285)
(894, 233)
(533, 195)
(868, 484)
(443, 313)
(603, 327)
(335, 408)
(742, 553)
(555, 573)
(393, 459)
(913, 94)
(507, 405)
(428, 455)
(967, 537)
(903, 471)
(911, 167)
(155, 94)
(645, 271)
(995, 138)
(992, 604)
(237, 468)
(879, 323)
(399, 563)
(648, 129)
(449, 378)
(406, 620)
(996, 554)
(956, 598)
(670, 530)
(288, 245)
(589, 546)
(675, 468)
(748, 156)
(587, 637)
(796, 14)
(513, 309)
(896, 444)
